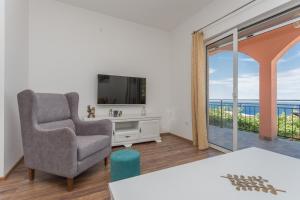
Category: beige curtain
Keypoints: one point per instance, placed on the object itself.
(199, 122)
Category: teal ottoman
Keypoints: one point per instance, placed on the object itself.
(124, 164)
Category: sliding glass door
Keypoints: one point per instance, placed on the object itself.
(222, 64)
(268, 112)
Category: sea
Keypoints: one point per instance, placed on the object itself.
(251, 107)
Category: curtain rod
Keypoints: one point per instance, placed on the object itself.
(230, 13)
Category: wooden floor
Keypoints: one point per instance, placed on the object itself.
(93, 183)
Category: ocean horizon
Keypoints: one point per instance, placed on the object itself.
(251, 107)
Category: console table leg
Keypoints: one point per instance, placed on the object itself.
(158, 141)
(128, 145)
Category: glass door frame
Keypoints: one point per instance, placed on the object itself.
(234, 34)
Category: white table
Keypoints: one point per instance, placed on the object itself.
(201, 180)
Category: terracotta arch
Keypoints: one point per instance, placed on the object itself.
(250, 57)
(226, 49)
(266, 49)
(285, 49)
(220, 50)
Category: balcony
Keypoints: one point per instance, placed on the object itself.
(288, 126)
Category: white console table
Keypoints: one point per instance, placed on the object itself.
(131, 129)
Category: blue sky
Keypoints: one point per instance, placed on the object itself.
(220, 75)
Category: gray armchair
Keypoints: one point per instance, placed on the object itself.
(55, 140)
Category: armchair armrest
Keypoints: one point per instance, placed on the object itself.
(99, 127)
(85, 128)
(54, 151)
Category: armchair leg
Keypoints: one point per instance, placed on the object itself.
(31, 174)
(106, 161)
(70, 184)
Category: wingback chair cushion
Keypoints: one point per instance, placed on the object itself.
(58, 124)
(90, 145)
(52, 107)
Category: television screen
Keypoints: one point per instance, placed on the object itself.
(121, 90)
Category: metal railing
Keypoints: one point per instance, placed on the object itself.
(288, 116)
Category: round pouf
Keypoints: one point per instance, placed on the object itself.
(124, 164)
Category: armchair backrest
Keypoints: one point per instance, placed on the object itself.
(46, 111)
(52, 107)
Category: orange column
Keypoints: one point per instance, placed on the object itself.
(267, 100)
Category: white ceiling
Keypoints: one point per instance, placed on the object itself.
(163, 14)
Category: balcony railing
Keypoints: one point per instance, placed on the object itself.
(288, 116)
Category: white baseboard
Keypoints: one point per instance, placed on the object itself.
(11, 169)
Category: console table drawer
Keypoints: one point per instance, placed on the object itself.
(133, 129)
(125, 137)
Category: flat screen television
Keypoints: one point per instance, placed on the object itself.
(121, 90)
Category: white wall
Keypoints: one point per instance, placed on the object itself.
(2, 66)
(181, 51)
(16, 76)
(69, 46)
